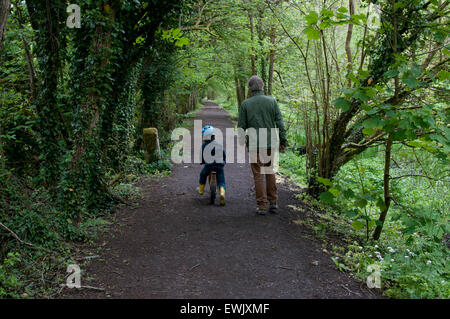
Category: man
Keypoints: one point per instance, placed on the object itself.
(260, 112)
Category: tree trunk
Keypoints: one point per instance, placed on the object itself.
(271, 58)
(48, 41)
(5, 7)
(240, 85)
(252, 34)
(238, 94)
(346, 137)
(387, 158)
(387, 197)
(28, 55)
(95, 85)
(263, 57)
(351, 6)
(91, 107)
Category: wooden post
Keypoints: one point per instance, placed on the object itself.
(151, 144)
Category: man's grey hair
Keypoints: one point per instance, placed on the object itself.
(255, 83)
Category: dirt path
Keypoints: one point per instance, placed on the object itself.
(176, 245)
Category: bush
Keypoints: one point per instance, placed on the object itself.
(138, 166)
(411, 252)
(9, 276)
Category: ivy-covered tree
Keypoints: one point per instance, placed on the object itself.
(5, 7)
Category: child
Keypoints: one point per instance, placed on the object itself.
(212, 162)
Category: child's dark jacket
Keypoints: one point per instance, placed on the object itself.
(212, 149)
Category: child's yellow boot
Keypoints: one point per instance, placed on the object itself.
(222, 195)
(201, 189)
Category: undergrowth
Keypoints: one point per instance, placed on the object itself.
(412, 258)
(37, 247)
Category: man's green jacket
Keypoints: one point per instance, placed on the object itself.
(260, 111)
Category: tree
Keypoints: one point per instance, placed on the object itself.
(351, 131)
(5, 7)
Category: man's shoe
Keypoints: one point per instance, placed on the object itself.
(273, 208)
(201, 189)
(261, 212)
(222, 196)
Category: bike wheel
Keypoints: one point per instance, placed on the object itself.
(213, 192)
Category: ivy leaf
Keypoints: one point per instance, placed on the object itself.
(182, 41)
(342, 103)
(176, 32)
(139, 40)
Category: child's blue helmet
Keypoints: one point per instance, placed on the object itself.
(207, 131)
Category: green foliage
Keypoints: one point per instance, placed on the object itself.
(229, 106)
(420, 270)
(127, 190)
(342, 103)
(175, 36)
(414, 249)
(293, 166)
(312, 33)
(147, 64)
(9, 276)
(60, 144)
(137, 166)
(366, 108)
